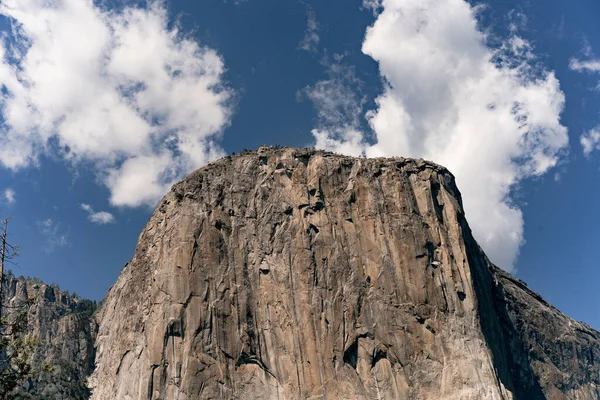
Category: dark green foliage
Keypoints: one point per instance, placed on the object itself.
(17, 346)
(63, 381)
(59, 367)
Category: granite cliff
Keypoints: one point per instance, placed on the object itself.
(299, 274)
(65, 328)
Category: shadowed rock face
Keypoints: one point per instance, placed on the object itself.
(65, 328)
(295, 274)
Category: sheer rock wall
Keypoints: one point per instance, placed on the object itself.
(299, 274)
(65, 329)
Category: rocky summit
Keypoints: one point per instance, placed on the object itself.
(300, 274)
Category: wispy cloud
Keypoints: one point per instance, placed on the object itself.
(587, 62)
(590, 141)
(585, 66)
(311, 34)
(373, 5)
(54, 235)
(120, 89)
(590, 64)
(491, 115)
(10, 197)
(100, 217)
(339, 106)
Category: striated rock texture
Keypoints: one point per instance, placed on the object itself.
(66, 331)
(299, 274)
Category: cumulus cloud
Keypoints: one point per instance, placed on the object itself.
(485, 113)
(100, 217)
(311, 35)
(54, 235)
(10, 197)
(121, 90)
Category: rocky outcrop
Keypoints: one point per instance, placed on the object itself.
(65, 330)
(299, 274)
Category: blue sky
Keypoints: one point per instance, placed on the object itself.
(103, 108)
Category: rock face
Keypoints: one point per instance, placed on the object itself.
(298, 274)
(66, 330)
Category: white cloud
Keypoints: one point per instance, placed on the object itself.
(111, 88)
(10, 197)
(339, 108)
(588, 62)
(592, 65)
(484, 113)
(590, 141)
(53, 234)
(100, 217)
(311, 35)
(373, 5)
